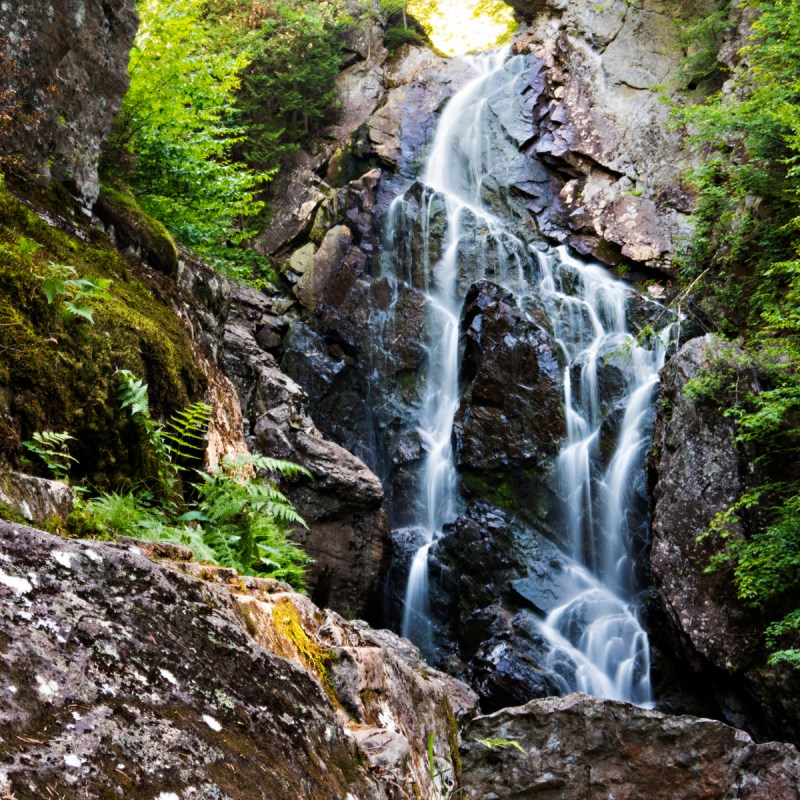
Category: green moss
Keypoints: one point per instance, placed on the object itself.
(452, 742)
(133, 228)
(58, 373)
(314, 656)
(11, 515)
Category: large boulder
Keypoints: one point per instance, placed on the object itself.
(64, 74)
(700, 471)
(124, 676)
(579, 747)
(510, 423)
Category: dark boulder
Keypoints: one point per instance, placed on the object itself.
(580, 747)
(699, 471)
(510, 423)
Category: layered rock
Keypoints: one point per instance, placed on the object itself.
(580, 747)
(700, 471)
(606, 130)
(343, 502)
(64, 69)
(167, 680)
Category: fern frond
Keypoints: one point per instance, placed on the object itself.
(287, 469)
(186, 431)
(133, 394)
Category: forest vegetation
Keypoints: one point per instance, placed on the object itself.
(743, 266)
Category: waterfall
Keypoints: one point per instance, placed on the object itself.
(596, 643)
(459, 161)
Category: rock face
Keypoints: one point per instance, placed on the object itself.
(343, 503)
(605, 127)
(700, 472)
(510, 424)
(36, 499)
(65, 66)
(175, 679)
(579, 747)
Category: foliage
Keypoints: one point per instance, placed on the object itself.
(177, 445)
(701, 39)
(399, 35)
(133, 513)
(174, 136)
(747, 246)
(457, 27)
(63, 283)
(288, 87)
(52, 448)
(247, 519)
(235, 519)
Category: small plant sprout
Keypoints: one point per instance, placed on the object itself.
(51, 447)
(501, 744)
(63, 283)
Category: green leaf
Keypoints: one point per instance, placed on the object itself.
(52, 288)
(78, 310)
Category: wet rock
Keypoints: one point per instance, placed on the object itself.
(578, 747)
(36, 499)
(491, 578)
(510, 423)
(700, 472)
(507, 669)
(67, 61)
(176, 678)
(419, 83)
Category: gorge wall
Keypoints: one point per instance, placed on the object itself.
(116, 667)
(64, 76)
(593, 163)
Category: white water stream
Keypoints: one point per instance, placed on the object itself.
(596, 642)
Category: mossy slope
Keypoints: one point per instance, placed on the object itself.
(57, 373)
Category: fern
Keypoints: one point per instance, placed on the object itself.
(186, 430)
(238, 520)
(51, 447)
(133, 395)
(248, 519)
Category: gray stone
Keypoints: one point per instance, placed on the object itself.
(120, 674)
(580, 747)
(36, 499)
(67, 60)
(302, 258)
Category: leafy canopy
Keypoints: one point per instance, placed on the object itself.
(174, 137)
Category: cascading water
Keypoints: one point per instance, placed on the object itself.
(598, 645)
(596, 642)
(458, 164)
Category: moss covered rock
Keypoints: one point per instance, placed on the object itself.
(56, 369)
(135, 231)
